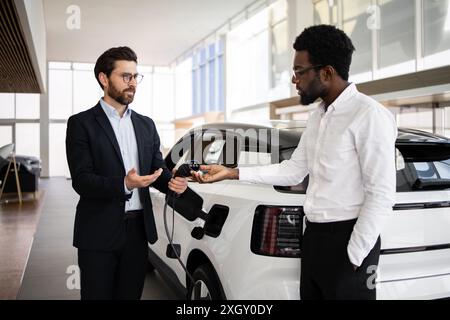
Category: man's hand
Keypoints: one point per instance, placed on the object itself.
(178, 184)
(133, 180)
(214, 173)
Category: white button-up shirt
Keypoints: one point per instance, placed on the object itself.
(126, 138)
(349, 153)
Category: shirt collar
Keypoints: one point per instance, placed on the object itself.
(111, 111)
(340, 101)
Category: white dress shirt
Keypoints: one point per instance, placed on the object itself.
(126, 138)
(349, 153)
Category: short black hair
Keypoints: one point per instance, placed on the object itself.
(106, 62)
(327, 45)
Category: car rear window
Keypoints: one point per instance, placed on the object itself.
(411, 176)
(285, 154)
(422, 175)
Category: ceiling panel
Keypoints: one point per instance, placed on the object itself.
(16, 70)
(158, 30)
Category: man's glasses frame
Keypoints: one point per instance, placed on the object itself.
(298, 72)
(128, 76)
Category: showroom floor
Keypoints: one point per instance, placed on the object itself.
(17, 227)
(52, 262)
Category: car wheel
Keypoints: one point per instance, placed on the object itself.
(206, 285)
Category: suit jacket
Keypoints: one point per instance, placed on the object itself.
(98, 173)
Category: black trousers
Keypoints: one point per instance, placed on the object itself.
(116, 275)
(326, 270)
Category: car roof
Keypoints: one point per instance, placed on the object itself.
(293, 131)
(414, 135)
(288, 136)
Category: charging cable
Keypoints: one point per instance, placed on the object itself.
(183, 171)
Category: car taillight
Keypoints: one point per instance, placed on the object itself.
(277, 230)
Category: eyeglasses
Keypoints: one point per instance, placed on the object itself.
(128, 76)
(298, 72)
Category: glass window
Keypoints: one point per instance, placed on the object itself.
(325, 12)
(202, 56)
(83, 67)
(142, 102)
(59, 65)
(57, 150)
(416, 117)
(184, 158)
(195, 89)
(28, 139)
(278, 11)
(443, 169)
(219, 76)
(285, 153)
(221, 45)
(86, 90)
(211, 51)
(27, 106)
(211, 89)
(213, 151)
(447, 122)
(163, 97)
(219, 148)
(424, 170)
(6, 105)
(247, 66)
(5, 135)
(355, 26)
(281, 58)
(280, 51)
(397, 36)
(221, 85)
(181, 152)
(60, 94)
(212, 86)
(202, 88)
(183, 89)
(207, 82)
(166, 132)
(423, 176)
(436, 21)
(250, 116)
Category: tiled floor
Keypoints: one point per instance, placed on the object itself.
(52, 259)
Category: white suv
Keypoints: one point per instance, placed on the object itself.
(249, 246)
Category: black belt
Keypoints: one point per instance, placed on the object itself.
(331, 226)
(133, 214)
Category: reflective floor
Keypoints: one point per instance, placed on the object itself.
(50, 272)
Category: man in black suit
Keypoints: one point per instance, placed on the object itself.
(114, 156)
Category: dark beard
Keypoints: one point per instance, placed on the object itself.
(307, 99)
(315, 90)
(120, 97)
